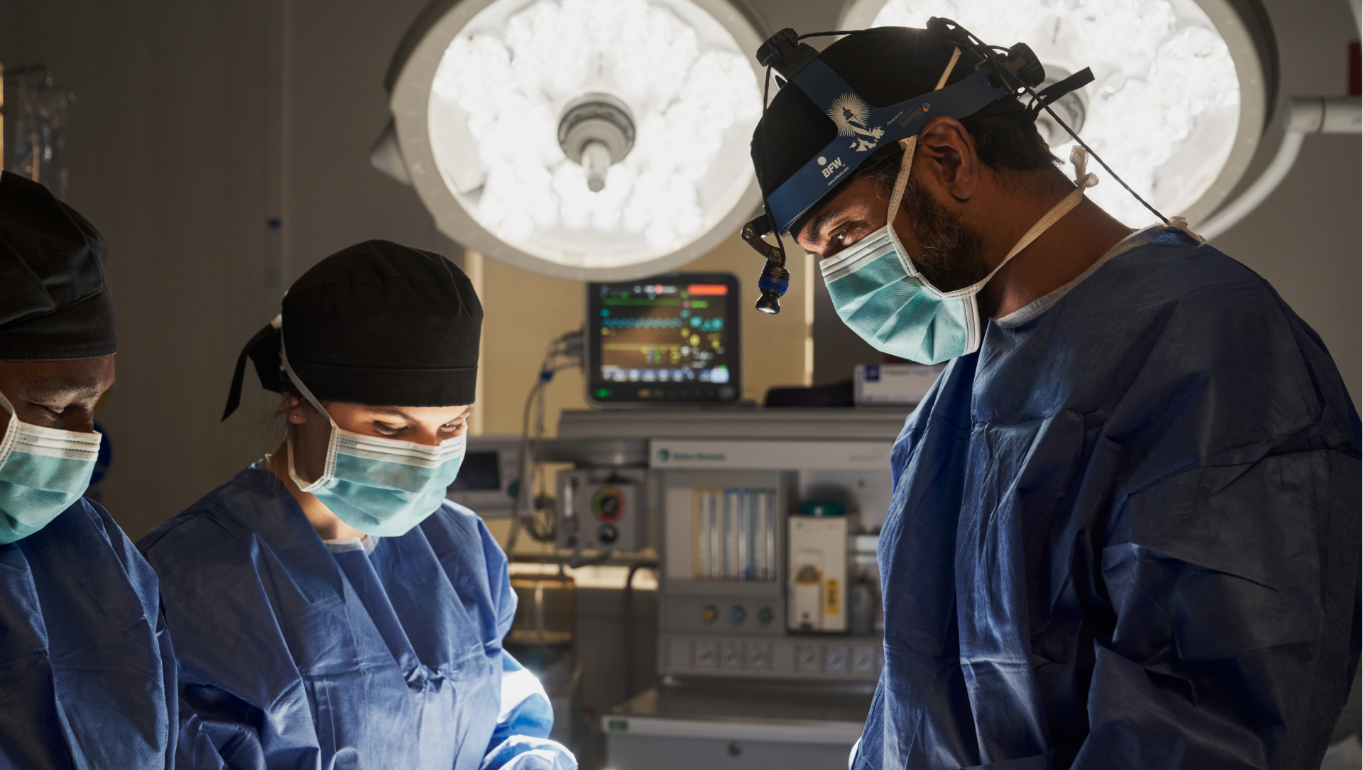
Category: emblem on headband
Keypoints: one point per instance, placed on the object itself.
(849, 113)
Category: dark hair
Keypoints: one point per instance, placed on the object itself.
(1009, 141)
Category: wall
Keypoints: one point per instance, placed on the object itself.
(196, 123)
(168, 158)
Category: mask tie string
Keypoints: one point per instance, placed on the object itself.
(1083, 180)
(910, 146)
(330, 468)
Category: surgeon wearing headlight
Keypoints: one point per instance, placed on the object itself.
(1125, 523)
(87, 675)
(330, 607)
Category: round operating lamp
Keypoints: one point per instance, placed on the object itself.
(585, 139)
(1181, 88)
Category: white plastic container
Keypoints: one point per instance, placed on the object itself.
(894, 384)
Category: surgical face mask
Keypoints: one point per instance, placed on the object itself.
(42, 472)
(379, 486)
(880, 294)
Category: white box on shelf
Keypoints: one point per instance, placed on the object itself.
(894, 384)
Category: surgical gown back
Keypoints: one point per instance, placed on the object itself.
(87, 674)
(295, 656)
(1125, 534)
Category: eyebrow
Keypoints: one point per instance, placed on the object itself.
(55, 389)
(816, 227)
(398, 411)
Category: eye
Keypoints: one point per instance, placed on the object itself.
(454, 426)
(383, 429)
(55, 411)
(838, 239)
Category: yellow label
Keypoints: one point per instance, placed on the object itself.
(831, 596)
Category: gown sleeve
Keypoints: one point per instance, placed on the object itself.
(217, 732)
(520, 740)
(1231, 585)
(235, 711)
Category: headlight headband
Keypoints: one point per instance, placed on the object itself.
(999, 73)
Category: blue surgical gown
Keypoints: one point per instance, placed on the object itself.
(292, 656)
(1125, 534)
(87, 674)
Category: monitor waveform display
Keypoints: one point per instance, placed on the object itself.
(663, 333)
(641, 323)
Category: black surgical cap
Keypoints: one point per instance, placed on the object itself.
(885, 66)
(377, 324)
(54, 302)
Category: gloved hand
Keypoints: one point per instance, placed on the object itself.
(522, 752)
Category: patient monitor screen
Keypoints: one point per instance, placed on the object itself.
(667, 339)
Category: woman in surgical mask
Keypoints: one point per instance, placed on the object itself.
(329, 607)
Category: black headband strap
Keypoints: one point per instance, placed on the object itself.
(1055, 91)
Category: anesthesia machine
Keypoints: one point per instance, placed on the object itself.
(762, 526)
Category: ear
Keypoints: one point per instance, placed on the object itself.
(295, 408)
(946, 159)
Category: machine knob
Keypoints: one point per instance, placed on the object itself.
(764, 615)
(708, 613)
(606, 534)
(608, 503)
(736, 614)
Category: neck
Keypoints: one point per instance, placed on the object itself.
(328, 525)
(1058, 256)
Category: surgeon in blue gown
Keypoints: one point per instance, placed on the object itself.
(331, 608)
(87, 675)
(1125, 523)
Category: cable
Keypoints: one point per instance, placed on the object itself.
(990, 53)
(563, 352)
(1100, 160)
(628, 619)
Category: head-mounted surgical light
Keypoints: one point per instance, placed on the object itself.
(998, 76)
(585, 139)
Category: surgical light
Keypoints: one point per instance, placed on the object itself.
(1178, 106)
(601, 139)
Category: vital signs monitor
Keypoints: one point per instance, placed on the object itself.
(669, 339)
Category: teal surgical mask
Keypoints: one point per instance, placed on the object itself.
(880, 295)
(379, 486)
(42, 472)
